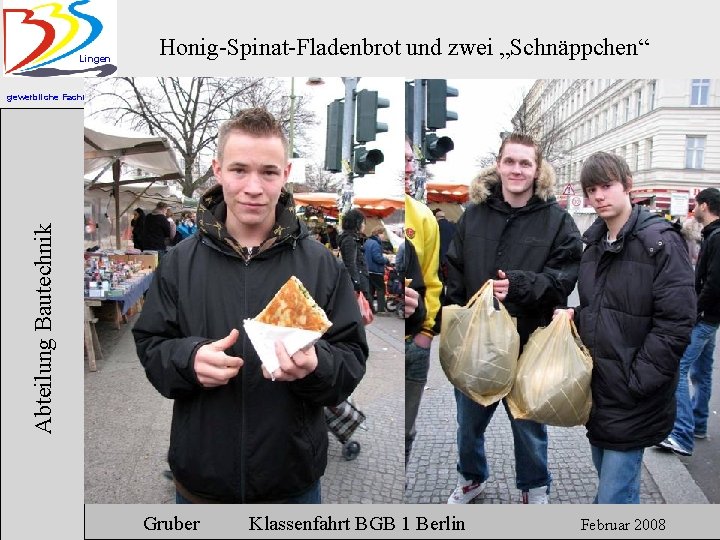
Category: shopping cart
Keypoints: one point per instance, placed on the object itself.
(394, 291)
(342, 421)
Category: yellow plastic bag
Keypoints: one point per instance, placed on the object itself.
(552, 385)
(479, 347)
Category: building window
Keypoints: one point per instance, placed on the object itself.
(700, 91)
(651, 97)
(638, 103)
(648, 153)
(607, 120)
(615, 109)
(635, 156)
(627, 108)
(694, 152)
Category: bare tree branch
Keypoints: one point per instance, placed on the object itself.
(188, 111)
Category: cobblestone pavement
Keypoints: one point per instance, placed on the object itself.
(432, 475)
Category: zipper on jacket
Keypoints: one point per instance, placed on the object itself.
(242, 400)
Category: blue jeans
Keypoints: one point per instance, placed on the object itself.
(697, 362)
(618, 474)
(530, 442)
(311, 496)
(417, 363)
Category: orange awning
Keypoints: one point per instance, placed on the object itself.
(445, 192)
(380, 207)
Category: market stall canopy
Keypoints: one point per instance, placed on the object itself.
(105, 144)
(446, 192)
(110, 147)
(136, 195)
(379, 207)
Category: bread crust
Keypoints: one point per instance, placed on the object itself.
(294, 307)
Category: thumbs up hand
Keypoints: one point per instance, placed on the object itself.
(212, 366)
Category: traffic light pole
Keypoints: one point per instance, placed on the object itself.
(346, 198)
(418, 119)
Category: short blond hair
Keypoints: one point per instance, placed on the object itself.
(257, 122)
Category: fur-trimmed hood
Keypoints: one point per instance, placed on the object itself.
(484, 183)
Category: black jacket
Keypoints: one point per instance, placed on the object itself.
(707, 274)
(409, 268)
(251, 440)
(353, 255)
(538, 246)
(156, 230)
(637, 309)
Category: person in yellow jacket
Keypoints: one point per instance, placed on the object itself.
(422, 230)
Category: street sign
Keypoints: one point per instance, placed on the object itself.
(576, 202)
(568, 190)
(679, 204)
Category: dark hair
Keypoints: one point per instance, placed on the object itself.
(140, 211)
(525, 140)
(602, 169)
(257, 122)
(353, 220)
(711, 196)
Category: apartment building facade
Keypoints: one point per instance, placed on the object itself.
(668, 130)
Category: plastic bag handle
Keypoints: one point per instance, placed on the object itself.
(474, 298)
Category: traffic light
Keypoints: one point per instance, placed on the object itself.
(436, 148)
(368, 104)
(365, 160)
(409, 109)
(437, 93)
(333, 138)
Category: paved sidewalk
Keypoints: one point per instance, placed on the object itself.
(432, 474)
(127, 427)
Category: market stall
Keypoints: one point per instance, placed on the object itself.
(121, 166)
(450, 197)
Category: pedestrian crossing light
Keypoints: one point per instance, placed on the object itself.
(333, 138)
(368, 104)
(437, 93)
(436, 148)
(366, 160)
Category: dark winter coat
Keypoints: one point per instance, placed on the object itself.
(374, 257)
(351, 252)
(156, 231)
(707, 274)
(447, 232)
(637, 309)
(138, 226)
(538, 246)
(409, 267)
(251, 440)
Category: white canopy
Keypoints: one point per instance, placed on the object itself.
(104, 144)
(107, 148)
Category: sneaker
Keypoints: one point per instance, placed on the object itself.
(466, 491)
(700, 435)
(536, 495)
(671, 444)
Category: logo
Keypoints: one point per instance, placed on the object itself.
(410, 233)
(71, 38)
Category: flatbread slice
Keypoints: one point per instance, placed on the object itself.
(293, 307)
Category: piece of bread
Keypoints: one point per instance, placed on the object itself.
(293, 307)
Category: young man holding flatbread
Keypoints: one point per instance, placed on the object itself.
(238, 436)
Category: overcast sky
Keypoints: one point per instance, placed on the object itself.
(484, 106)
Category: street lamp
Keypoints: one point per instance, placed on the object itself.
(311, 81)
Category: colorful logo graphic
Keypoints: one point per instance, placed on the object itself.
(60, 38)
